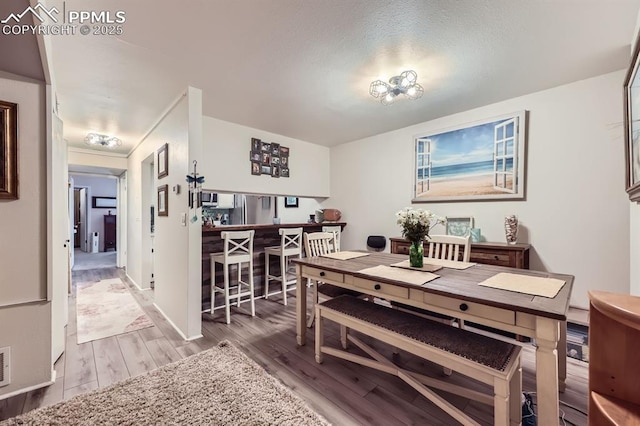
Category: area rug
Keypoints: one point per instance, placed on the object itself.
(107, 308)
(220, 386)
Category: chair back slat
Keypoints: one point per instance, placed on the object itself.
(291, 240)
(337, 230)
(449, 247)
(319, 243)
(238, 243)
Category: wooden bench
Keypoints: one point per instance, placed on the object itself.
(491, 361)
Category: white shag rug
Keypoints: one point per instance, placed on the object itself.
(107, 308)
(220, 386)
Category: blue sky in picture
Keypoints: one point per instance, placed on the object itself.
(463, 146)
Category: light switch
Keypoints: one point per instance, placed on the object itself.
(183, 219)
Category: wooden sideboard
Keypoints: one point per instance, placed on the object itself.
(500, 254)
(614, 342)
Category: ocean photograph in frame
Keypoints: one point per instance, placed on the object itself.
(484, 160)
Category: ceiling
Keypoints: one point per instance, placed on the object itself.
(303, 68)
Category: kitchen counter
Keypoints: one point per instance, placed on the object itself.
(265, 236)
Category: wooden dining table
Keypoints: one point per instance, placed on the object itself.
(456, 293)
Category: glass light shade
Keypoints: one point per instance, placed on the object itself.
(388, 99)
(102, 140)
(378, 88)
(409, 76)
(414, 92)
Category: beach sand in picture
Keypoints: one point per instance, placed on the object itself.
(463, 186)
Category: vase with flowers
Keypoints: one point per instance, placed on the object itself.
(416, 224)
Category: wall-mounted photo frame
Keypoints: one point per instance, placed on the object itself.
(632, 126)
(275, 171)
(255, 168)
(291, 201)
(163, 200)
(8, 151)
(255, 155)
(284, 151)
(284, 172)
(459, 226)
(266, 170)
(479, 161)
(163, 161)
(265, 147)
(103, 202)
(256, 144)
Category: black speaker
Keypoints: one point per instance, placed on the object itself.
(376, 242)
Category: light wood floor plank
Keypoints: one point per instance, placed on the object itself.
(110, 365)
(135, 353)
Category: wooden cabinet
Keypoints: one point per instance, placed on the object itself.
(501, 254)
(614, 342)
(109, 232)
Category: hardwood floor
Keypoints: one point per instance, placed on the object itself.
(345, 393)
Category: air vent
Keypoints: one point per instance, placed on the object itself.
(5, 364)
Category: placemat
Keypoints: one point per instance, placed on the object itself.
(425, 268)
(536, 286)
(345, 255)
(452, 264)
(399, 274)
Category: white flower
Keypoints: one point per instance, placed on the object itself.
(416, 223)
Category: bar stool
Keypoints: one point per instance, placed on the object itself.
(290, 245)
(238, 249)
(336, 231)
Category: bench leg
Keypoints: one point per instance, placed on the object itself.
(319, 334)
(344, 331)
(515, 393)
(501, 406)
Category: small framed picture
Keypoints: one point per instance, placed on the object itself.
(8, 151)
(275, 171)
(255, 168)
(265, 147)
(291, 201)
(163, 161)
(266, 170)
(284, 172)
(163, 200)
(266, 158)
(284, 161)
(284, 151)
(255, 144)
(275, 149)
(275, 160)
(459, 226)
(255, 156)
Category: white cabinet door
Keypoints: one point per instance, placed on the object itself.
(225, 201)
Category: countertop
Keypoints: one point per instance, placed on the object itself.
(220, 228)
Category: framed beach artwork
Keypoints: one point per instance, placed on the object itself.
(479, 161)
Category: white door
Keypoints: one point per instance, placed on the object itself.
(505, 155)
(72, 221)
(423, 166)
(59, 241)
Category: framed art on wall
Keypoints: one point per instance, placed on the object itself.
(163, 161)
(8, 151)
(632, 126)
(484, 160)
(291, 201)
(459, 226)
(163, 200)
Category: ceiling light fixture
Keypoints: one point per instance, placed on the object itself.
(102, 140)
(405, 83)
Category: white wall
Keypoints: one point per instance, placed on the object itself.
(23, 246)
(576, 214)
(100, 187)
(300, 214)
(226, 165)
(106, 160)
(177, 247)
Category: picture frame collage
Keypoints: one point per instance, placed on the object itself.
(269, 158)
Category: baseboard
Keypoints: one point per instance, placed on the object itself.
(135, 284)
(188, 339)
(30, 388)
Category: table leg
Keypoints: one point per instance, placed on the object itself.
(547, 336)
(301, 307)
(562, 357)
